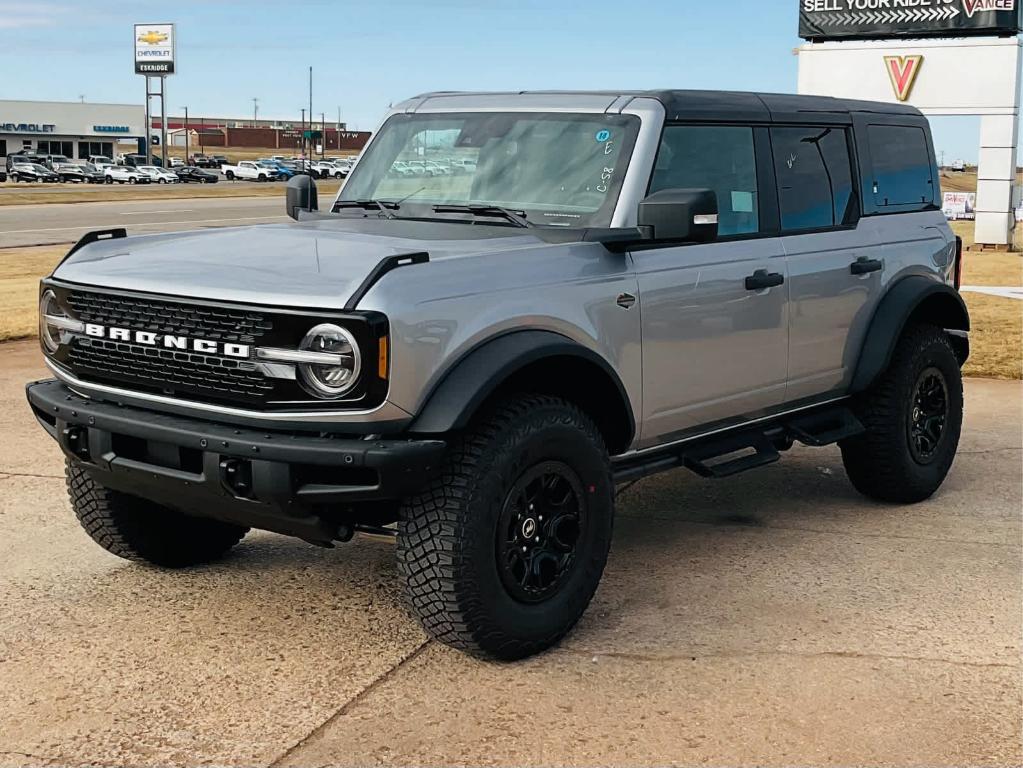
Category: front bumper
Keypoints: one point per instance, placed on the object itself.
(279, 481)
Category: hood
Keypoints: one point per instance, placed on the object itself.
(313, 264)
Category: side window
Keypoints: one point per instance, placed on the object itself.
(720, 158)
(902, 165)
(815, 181)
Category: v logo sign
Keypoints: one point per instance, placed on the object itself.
(902, 70)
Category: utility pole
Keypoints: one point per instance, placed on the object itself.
(186, 134)
(310, 113)
(339, 126)
(304, 157)
(323, 134)
(255, 111)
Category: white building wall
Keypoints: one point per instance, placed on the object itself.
(36, 121)
(979, 76)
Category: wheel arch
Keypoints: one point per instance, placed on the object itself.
(541, 362)
(913, 299)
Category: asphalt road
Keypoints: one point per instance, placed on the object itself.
(66, 222)
(774, 619)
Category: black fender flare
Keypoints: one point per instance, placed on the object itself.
(915, 295)
(479, 374)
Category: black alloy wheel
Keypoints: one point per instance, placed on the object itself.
(541, 523)
(928, 416)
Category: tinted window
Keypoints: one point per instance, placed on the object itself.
(902, 165)
(815, 186)
(718, 158)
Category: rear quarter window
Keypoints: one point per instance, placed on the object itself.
(902, 169)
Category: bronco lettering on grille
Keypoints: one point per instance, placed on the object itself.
(167, 341)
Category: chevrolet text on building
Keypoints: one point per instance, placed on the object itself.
(27, 127)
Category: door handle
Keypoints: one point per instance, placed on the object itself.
(762, 279)
(864, 266)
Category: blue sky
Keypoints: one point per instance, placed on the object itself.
(368, 54)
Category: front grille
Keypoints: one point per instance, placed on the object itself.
(167, 371)
(163, 370)
(163, 317)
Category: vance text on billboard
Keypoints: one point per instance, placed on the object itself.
(882, 19)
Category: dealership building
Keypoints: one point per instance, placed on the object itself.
(73, 129)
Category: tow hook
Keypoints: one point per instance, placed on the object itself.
(236, 475)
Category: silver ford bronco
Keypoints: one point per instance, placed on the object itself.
(517, 303)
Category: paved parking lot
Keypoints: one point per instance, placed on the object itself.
(775, 619)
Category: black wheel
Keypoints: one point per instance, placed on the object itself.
(140, 530)
(230, 176)
(502, 553)
(914, 416)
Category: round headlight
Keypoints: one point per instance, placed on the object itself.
(49, 334)
(341, 365)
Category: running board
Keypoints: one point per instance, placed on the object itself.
(742, 449)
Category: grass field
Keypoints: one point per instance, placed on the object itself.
(997, 336)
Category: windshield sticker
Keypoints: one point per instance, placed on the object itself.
(602, 136)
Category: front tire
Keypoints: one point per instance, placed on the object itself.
(140, 530)
(503, 552)
(914, 417)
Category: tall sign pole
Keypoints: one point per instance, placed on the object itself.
(155, 59)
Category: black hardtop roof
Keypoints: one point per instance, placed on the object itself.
(735, 105)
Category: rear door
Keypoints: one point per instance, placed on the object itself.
(835, 269)
(713, 349)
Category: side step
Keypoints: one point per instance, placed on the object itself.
(744, 448)
(701, 459)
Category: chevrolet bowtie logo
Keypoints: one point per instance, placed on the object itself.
(152, 37)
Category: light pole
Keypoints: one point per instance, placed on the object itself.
(255, 111)
(186, 134)
(303, 135)
(323, 134)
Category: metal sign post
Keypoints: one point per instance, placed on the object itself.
(155, 58)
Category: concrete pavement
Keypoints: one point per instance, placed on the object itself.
(774, 619)
(22, 225)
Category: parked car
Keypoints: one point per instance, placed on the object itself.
(198, 175)
(200, 160)
(71, 172)
(52, 161)
(135, 160)
(249, 170)
(3, 175)
(219, 161)
(697, 280)
(94, 174)
(176, 162)
(284, 172)
(21, 157)
(158, 175)
(401, 168)
(32, 172)
(99, 160)
(124, 174)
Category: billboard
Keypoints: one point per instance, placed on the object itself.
(959, 205)
(154, 49)
(884, 19)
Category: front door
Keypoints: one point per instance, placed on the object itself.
(714, 316)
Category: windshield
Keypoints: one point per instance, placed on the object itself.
(559, 169)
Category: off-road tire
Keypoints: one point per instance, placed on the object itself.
(880, 463)
(140, 530)
(448, 534)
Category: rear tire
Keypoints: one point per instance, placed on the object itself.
(485, 572)
(914, 416)
(140, 530)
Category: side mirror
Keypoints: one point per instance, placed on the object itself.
(688, 215)
(301, 195)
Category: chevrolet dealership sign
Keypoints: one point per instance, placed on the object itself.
(154, 49)
(883, 19)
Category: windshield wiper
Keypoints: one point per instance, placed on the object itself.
(518, 218)
(384, 206)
